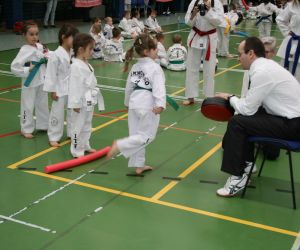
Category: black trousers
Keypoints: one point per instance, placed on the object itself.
(236, 147)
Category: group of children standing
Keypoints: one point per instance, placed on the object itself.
(66, 74)
(70, 81)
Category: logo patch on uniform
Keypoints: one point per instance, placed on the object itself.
(54, 121)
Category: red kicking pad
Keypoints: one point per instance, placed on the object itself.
(217, 109)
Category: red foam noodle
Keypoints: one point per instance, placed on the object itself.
(76, 162)
(217, 109)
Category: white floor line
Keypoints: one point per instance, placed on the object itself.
(46, 196)
(173, 124)
(4, 92)
(4, 63)
(27, 224)
(296, 245)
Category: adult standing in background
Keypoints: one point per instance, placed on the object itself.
(51, 8)
(202, 43)
(288, 22)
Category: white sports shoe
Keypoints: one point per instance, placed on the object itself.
(248, 167)
(233, 185)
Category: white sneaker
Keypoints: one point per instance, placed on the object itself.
(248, 167)
(233, 185)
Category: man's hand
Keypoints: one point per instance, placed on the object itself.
(223, 95)
(157, 110)
(54, 96)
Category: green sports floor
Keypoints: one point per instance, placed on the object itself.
(98, 206)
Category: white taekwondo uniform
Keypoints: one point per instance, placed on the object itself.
(224, 29)
(289, 21)
(177, 56)
(203, 46)
(107, 31)
(113, 51)
(137, 25)
(32, 97)
(83, 94)
(99, 45)
(152, 24)
(57, 80)
(145, 89)
(162, 58)
(265, 12)
(126, 26)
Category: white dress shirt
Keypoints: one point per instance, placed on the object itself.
(272, 87)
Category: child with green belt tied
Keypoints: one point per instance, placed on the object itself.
(145, 97)
(30, 65)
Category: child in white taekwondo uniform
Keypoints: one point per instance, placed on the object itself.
(152, 23)
(202, 43)
(57, 83)
(288, 22)
(162, 58)
(177, 55)
(113, 49)
(83, 95)
(145, 97)
(230, 20)
(108, 27)
(136, 23)
(265, 11)
(29, 64)
(126, 26)
(100, 41)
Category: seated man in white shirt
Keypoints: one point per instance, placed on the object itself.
(271, 108)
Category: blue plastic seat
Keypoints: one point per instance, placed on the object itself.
(290, 146)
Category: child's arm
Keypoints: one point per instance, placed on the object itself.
(129, 89)
(51, 78)
(76, 90)
(159, 91)
(18, 65)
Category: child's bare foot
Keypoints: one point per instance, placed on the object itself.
(142, 170)
(189, 101)
(54, 144)
(113, 151)
(27, 135)
(91, 150)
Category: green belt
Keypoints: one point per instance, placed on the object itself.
(176, 62)
(170, 100)
(34, 71)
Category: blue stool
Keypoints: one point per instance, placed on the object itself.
(290, 146)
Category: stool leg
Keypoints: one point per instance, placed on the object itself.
(292, 179)
(261, 166)
(252, 166)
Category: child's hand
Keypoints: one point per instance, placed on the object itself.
(77, 110)
(54, 96)
(158, 110)
(31, 66)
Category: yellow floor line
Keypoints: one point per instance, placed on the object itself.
(171, 205)
(217, 74)
(186, 172)
(15, 165)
